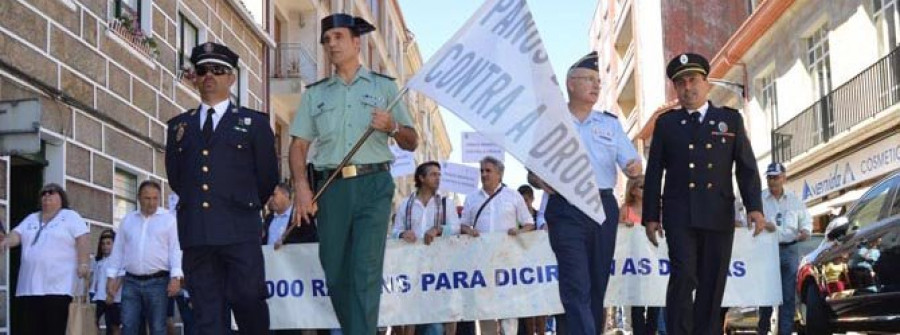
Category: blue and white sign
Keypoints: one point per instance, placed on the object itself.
(496, 276)
(871, 162)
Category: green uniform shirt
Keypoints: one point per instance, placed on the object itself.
(334, 115)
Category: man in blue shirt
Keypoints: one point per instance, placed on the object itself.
(583, 247)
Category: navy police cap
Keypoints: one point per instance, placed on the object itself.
(210, 52)
(356, 24)
(685, 63)
(589, 61)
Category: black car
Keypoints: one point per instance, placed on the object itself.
(851, 282)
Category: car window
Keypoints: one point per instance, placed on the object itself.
(868, 210)
(895, 208)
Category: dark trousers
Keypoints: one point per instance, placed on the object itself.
(699, 261)
(644, 324)
(227, 275)
(353, 218)
(45, 314)
(584, 252)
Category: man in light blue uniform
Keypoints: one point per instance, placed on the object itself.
(583, 247)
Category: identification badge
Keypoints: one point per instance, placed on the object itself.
(372, 101)
(179, 132)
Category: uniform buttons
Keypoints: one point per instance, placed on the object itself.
(180, 150)
(205, 169)
(709, 166)
(240, 146)
(691, 165)
(205, 187)
(205, 204)
(691, 146)
(709, 185)
(691, 185)
(205, 152)
(708, 146)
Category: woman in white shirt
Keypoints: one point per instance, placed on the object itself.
(54, 244)
(108, 306)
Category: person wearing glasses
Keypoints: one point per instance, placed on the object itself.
(584, 248)
(787, 215)
(55, 251)
(221, 162)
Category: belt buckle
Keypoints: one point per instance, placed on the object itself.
(348, 171)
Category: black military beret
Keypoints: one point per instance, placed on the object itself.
(687, 62)
(587, 62)
(357, 25)
(210, 52)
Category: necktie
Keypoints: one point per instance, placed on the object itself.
(695, 117)
(208, 124)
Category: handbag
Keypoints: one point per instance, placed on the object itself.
(82, 313)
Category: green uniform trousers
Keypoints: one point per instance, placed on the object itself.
(353, 220)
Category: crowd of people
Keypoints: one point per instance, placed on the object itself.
(205, 255)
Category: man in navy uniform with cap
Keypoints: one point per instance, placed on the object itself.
(354, 211)
(583, 247)
(221, 161)
(696, 147)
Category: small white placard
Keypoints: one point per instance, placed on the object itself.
(475, 147)
(459, 178)
(404, 162)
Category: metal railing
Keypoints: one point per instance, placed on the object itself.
(871, 91)
(294, 60)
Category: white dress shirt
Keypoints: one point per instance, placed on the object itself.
(541, 220)
(146, 245)
(507, 210)
(702, 110)
(220, 109)
(278, 225)
(422, 217)
(794, 216)
(49, 261)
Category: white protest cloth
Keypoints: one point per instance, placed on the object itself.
(495, 75)
(496, 276)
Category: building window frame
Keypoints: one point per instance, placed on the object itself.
(768, 98)
(886, 15)
(125, 198)
(818, 61)
(186, 28)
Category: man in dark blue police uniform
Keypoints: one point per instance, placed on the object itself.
(697, 146)
(220, 160)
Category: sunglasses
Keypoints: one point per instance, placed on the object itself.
(217, 70)
(47, 192)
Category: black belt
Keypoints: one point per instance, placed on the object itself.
(158, 274)
(351, 171)
(787, 244)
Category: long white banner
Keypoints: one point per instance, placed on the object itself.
(497, 276)
(495, 75)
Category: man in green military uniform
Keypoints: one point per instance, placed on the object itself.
(355, 209)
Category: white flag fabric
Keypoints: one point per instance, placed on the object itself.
(496, 276)
(494, 74)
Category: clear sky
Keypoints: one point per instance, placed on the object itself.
(563, 25)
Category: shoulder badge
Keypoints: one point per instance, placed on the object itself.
(179, 131)
(318, 82)
(384, 76)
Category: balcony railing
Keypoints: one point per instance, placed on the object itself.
(294, 60)
(871, 91)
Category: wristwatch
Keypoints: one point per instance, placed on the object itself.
(396, 130)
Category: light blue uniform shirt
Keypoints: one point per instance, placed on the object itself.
(607, 146)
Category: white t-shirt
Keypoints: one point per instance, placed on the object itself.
(49, 261)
